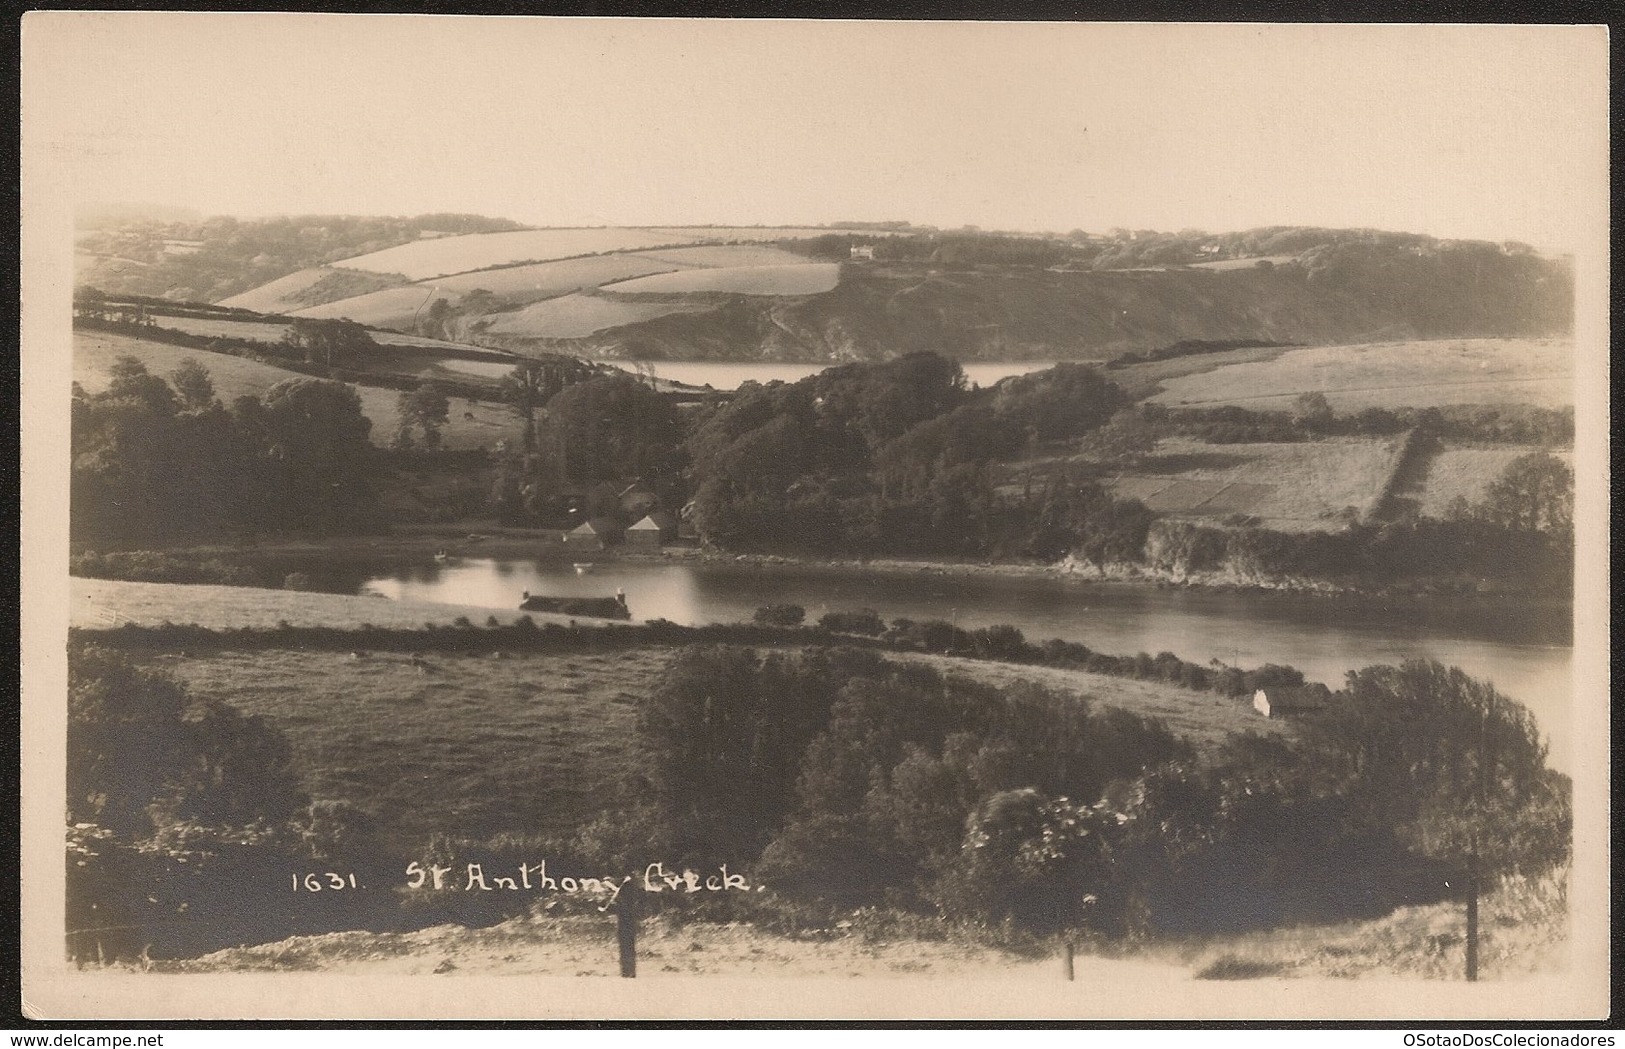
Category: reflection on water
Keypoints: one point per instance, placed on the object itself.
(728, 375)
(1522, 649)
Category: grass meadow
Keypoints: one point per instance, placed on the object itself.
(471, 747)
(1467, 473)
(1293, 487)
(1389, 375)
(471, 424)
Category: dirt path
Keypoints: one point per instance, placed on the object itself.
(586, 947)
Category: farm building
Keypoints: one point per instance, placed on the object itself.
(655, 529)
(863, 251)
(1283, 702)
(595, 534)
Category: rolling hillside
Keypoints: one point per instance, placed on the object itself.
(794, 294)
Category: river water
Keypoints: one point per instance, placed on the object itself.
(728, 375)
(1523, 649)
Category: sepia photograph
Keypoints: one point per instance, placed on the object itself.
(587, 518)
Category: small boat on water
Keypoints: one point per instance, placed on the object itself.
(594, 607)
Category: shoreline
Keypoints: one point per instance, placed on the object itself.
(422, 542)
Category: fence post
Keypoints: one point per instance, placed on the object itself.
(626, 932)
(1066, 959)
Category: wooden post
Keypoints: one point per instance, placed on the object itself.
(1066, 959)
(626, 933)
(1472, 926)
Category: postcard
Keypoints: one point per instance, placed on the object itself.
(589, 518)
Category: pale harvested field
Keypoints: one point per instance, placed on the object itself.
(576, 316)
(209, 327)
(94, 352)
(1291, 487)
(278, 295)
(1468, 473)
(763, 234)
(807, 278)
(726, 255)
(389, 308)
(556, 278)
(1391, 375)
(444, 256)
(1143, 380)
(272, 331)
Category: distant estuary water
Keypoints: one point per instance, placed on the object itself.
(1524, 649)
(728, 375)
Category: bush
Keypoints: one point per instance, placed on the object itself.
(780, 615)
(864, 621)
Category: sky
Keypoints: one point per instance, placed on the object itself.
(1494, 133)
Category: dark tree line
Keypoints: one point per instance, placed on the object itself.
(889, 458)
(158, 462)
(864, 782)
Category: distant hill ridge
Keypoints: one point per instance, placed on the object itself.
(972, 295)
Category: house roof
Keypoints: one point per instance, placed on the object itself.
(596, 526)
(659, 520)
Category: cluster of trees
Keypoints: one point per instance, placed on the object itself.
(893, 457)
(585, 436)
(157, 462)
(861, 782)
(183, 813)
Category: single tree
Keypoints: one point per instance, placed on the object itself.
(426, 408)
(191, 380)
(1454, 768)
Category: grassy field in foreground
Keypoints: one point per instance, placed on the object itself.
(1390, 375)
(474, 746)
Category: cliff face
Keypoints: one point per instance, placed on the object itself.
(1014, 313)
